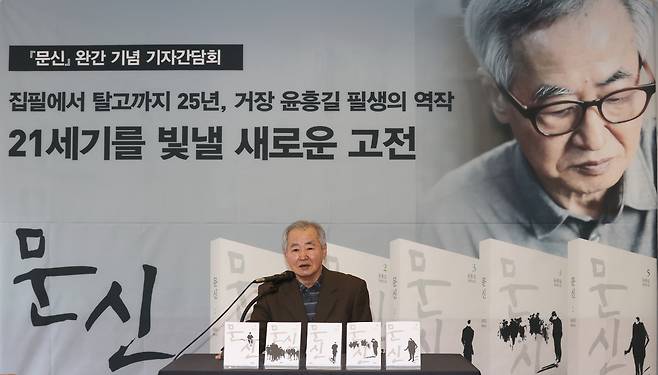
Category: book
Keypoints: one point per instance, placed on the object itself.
(282, 345)
(525, 300)
(364, 345)
(241, 345)
(612, 310)
(323, 345)
(440, 289)
(402, 349)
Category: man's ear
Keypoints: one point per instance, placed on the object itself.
(499, 105)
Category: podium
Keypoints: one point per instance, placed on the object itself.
(432, 364)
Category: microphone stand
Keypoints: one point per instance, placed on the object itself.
(273, 289)
(213, 323)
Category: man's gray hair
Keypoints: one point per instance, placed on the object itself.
(304, 224)
(492, 26)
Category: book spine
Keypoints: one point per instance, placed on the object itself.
(216, 339)
(486, 325)
(394, 281)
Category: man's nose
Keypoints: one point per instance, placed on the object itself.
(591, 135)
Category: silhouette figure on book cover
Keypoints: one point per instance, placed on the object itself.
(375, 345)
(638, 344)
(557, 335)
(467, 341)
(411, 348)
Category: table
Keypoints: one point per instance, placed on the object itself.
(432, 364)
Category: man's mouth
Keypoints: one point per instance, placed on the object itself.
(594, 167)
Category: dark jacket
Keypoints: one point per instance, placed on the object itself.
(343, 298)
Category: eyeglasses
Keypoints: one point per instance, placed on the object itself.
(565, 116)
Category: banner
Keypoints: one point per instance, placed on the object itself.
(134, 134)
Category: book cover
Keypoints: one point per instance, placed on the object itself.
(612, 310)
(402, 349)
(241, 345)
(323, 345)
(440, 289)
(525, 301)
(364, 345)
(282, 345)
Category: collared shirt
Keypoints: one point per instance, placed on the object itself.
(310, 297)
(498, 196)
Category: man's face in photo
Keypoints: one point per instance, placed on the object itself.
(587, 56)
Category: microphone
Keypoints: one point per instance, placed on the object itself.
(285, 276)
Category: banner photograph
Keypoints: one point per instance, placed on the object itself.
(480, 172)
